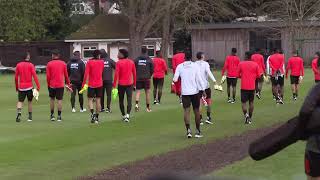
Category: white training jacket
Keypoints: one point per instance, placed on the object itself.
(189, 73)
(205, 73)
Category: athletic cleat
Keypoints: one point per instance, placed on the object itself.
(258, 96)
(102, 110)
(83, 110)
(201, 123)
(247, 119)
(126, 118)
(18, 119)
(209, 120)
(229, 100)
(59, 119)
(280, 101)
(233, 101)
(274, 98)
(93, 120)
(155, 102)
(137, 108)
(73, 110)
(189, 134)
(52, 118)
(250, 121)
(29, 120)
(198, 135)
(149, 110)
(108, 110)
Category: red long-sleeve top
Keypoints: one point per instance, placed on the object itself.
(94, 72)
(295, 64)
(25, 71)
(231, 66)
(276, 62)
(248, 71)
(259, 59)
(57, 74)
(160, 68)
(177, 59)
(125, 73)
(315, 69)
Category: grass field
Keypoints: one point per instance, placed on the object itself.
(50, 150)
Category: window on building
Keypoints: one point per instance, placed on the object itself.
(151, 50)
(45, 51)
(88, 50)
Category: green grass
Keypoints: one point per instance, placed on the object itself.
(46, 150)
(287, 165)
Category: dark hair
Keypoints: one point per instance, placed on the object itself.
(234, 50)
(144, 50)
(25, 55)
(158, 53)
(199, 55)
(318, 62)
(104, 53)
(76, 53)
(276, 50)
(124, 53)
(296, 52)
(258, 50)
(96, 54)
(188, 56)
(55, 52)
(248, 55)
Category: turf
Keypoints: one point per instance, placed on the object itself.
(45, 150)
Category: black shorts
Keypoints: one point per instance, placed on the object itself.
(295, 79)
(158, 82)
(56, 93)
(22, 95)
(276, 82)
(191, 99)
(260, 79)
(247, 95)
(208, 93)
(143, 84)
(316, 81)
(312, 164)
(76, 86)
(232, 82)
(95, 92)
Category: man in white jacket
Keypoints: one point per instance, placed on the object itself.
(205, 74)
(191, 89)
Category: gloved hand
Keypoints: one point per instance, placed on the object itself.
(114, 93)
(223, 79)
(84, 88)
(35, 94)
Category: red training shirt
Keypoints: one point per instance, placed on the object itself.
(57, 74)
(177, 59)
(295, 64)
(125, 73)
(94, 72)
(160, 68)
(25, 70)
(315, 69)
(248, 71)
(259, 59)
(276, 62)
(231, 65)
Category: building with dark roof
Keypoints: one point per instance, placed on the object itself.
(217, 40)
(109, 32)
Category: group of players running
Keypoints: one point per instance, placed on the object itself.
(190, 82)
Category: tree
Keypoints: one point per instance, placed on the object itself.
(28, 20)
(142, 16)
(180, 14)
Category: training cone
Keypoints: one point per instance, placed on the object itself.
(114, 93)
(85, 88)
